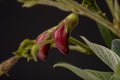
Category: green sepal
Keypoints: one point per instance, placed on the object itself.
(24, 49)
(35, 51)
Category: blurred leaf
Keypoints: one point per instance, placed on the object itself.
(106, 34)
(116, 46)
(116, 75)
(28, 3)
(91, 5)
(117, 11)
(86, 74)
(106, 55)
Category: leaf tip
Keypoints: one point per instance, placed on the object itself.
(83, 38)
(59, 64)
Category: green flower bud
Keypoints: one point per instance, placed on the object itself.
(25, 43)
(71, 21)
(35, 51)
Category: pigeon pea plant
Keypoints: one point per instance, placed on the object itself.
(59, 37)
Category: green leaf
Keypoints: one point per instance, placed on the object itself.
(106, 34)
(117, 12)
(86, 74)
(28, 3)
(110, 6)
(116, 46)
(109, 57)
(116, 75)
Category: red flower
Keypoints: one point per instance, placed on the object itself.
(63, 31)
(43, 50)
(43, 53)
(61, 39)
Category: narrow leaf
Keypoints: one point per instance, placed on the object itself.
(117, 10)
(111, 6)
(106, 55)
(86, 74)
(105, 34)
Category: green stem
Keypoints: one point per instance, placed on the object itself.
(71, 5)
(46, 42)
(77, 8)
(79, 49)
(80, 46)
(57, 4)
(111, 7)
(117, 11)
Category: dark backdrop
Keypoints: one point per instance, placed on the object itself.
(17, 23)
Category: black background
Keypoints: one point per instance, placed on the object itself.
(18, 23)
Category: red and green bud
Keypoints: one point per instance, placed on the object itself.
(35, 51)
(70, 22)
(43, 49)
(61, 39)
(61, 34)
(43, 52)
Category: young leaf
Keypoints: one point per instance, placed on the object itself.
(116, 46)
(106, 55)
(86, 74)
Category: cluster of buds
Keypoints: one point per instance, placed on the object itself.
(33, 49)
(58, 36)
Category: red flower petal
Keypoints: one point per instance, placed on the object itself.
(43, 50)
(61, 39)
(43, 53)
(41, 38)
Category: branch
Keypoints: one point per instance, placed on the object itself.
(73, 6)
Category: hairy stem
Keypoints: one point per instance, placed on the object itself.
(80, 46)
(71, 5)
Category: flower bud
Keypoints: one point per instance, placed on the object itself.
(43, 49)
(70, 22)
(61, 34)
(61, 39)
(43, 52)
(35, 51)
